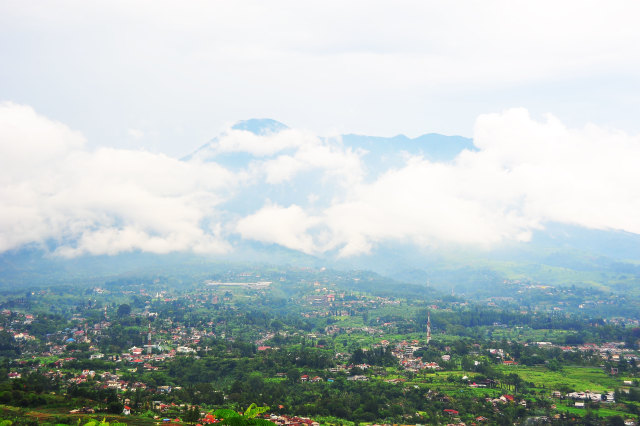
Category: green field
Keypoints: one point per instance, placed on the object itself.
(576, 377)
(602, 411)
(49, 416)
(527, 334)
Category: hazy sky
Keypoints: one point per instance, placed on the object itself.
(98, 100)
(167, 76)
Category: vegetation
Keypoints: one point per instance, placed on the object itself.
(337, 347)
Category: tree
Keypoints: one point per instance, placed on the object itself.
(115, 407)
(8, 345)
(293, 375)
(554, 365)
(192, 415)
(255, 381)
(467, 363)
(615, 420)
(124, 310)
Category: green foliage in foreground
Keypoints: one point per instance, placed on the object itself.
(250, 416)
(102, 422)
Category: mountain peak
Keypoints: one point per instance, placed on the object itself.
(260, 126)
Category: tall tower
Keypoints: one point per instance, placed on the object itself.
(149, 345)
(428, 327)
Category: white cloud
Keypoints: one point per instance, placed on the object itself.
(426, 203)
(287, 226)
(105, 201)
(583, 176)
(260, 145)
(28, 140)
(135, 133)
(525, 173)
(279, 157)
(332, 159)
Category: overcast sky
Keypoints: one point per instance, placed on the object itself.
(98, 100)
(167, 76)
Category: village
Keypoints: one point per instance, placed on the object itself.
(146, 354)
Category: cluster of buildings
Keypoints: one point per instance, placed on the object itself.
(610, 351)
(608, 397)
(404, 352)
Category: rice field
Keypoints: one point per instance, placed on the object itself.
(576, 377)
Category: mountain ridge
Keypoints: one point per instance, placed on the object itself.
(434, 146)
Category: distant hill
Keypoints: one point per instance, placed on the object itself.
(380, 151)
(433, 146)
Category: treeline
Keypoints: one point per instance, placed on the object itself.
(380, 356)
(465, 322)
(31, 390)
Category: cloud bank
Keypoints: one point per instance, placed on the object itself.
(104, 201)
(54, 191)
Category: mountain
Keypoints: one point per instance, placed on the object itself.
(557, 255)
(240, 152)
(563, 255)
(260, 126)
(236, 159)
(287, 169)
(433, 146)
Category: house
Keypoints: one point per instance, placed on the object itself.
(507, 398)
(83, 410)
(358, 378)
(126, 411)
(579, 404)
(451, 412)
